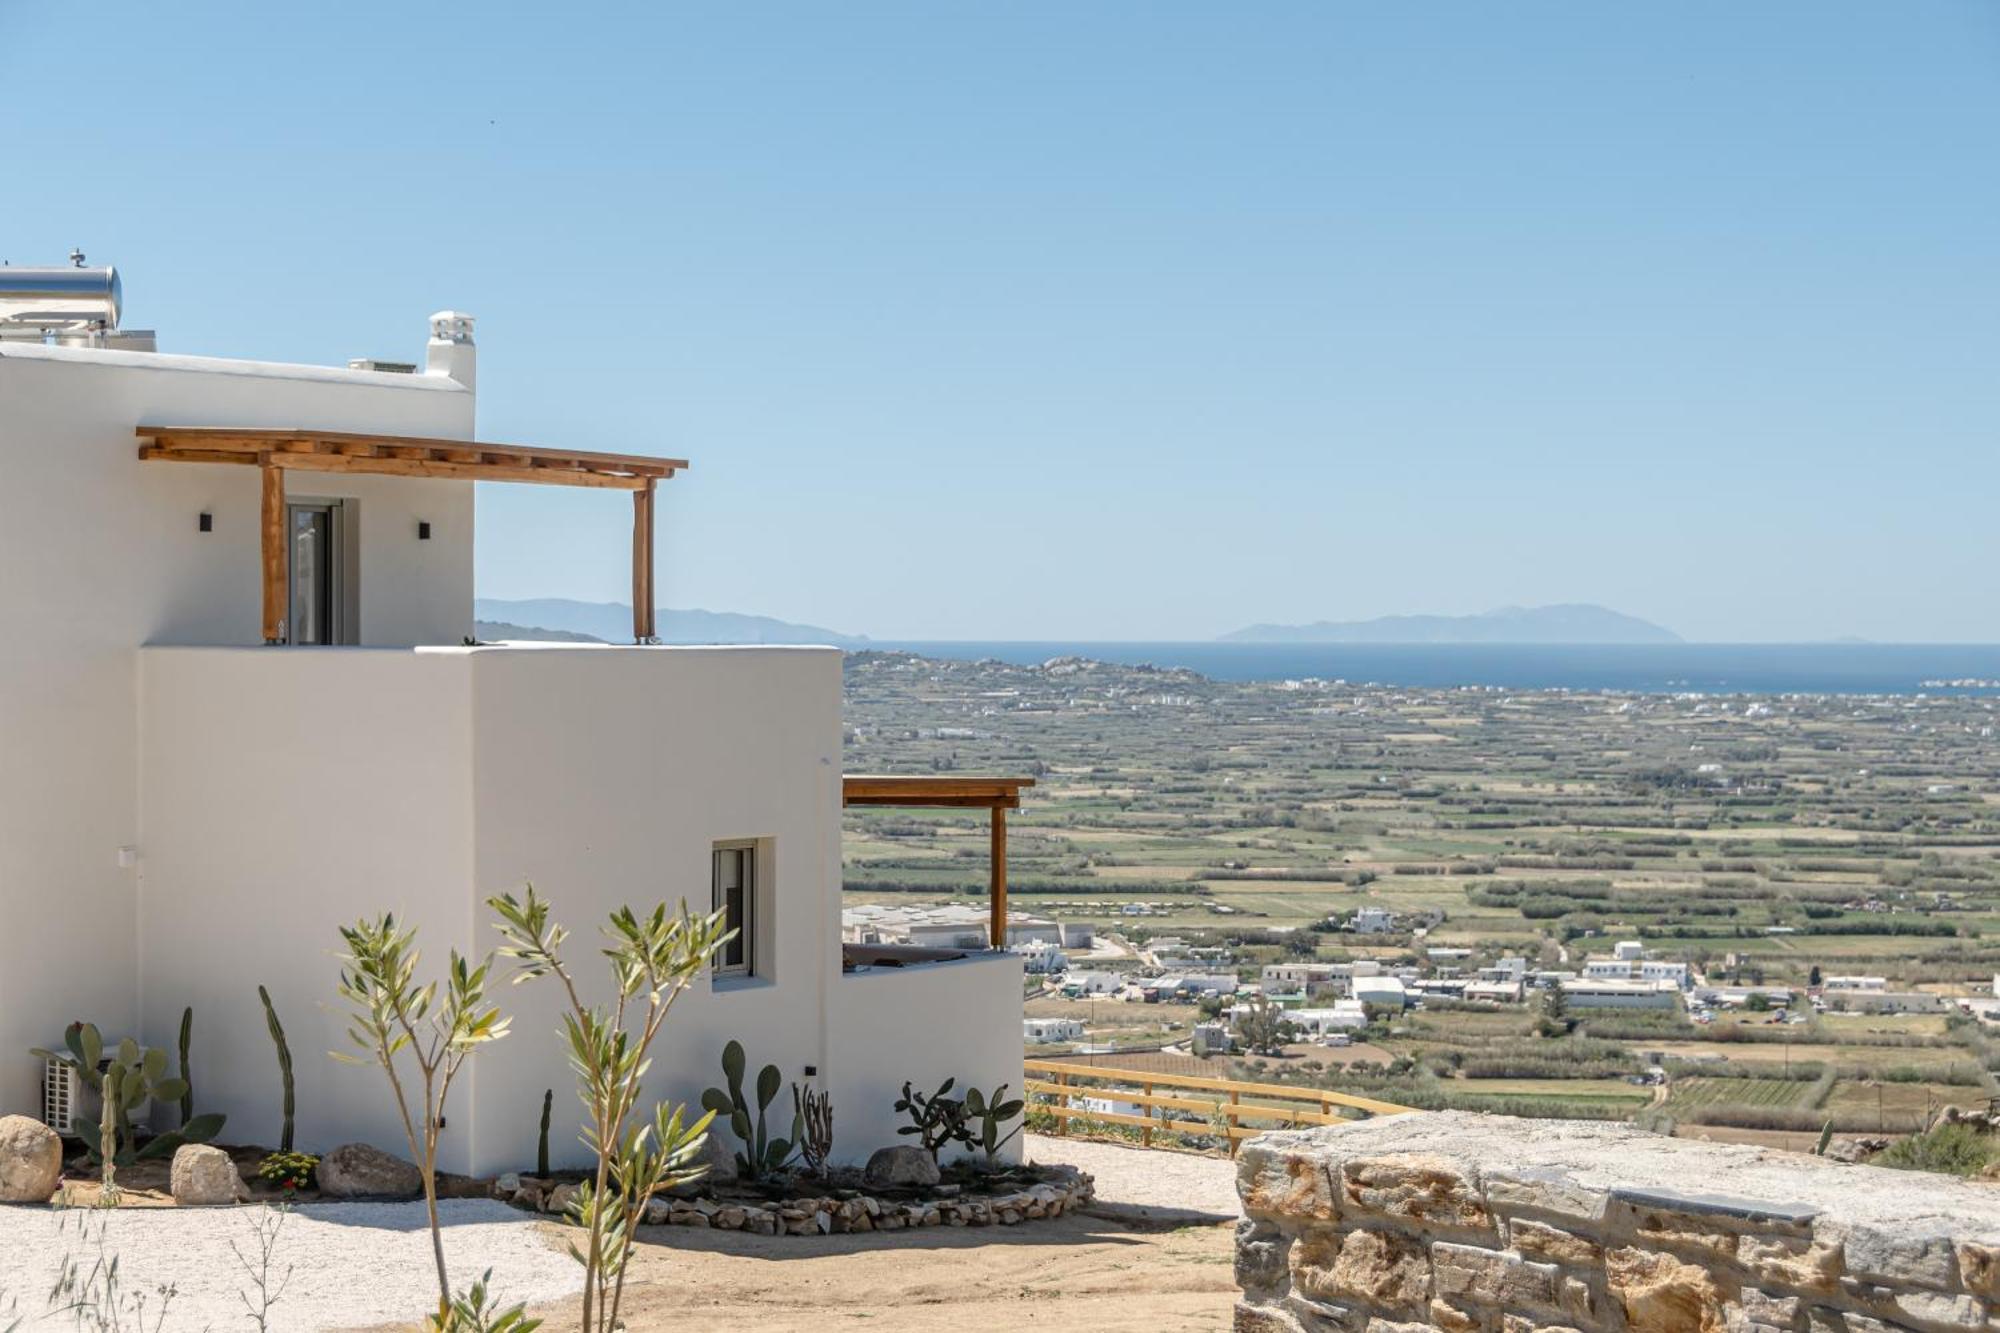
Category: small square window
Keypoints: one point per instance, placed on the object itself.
(735, 886)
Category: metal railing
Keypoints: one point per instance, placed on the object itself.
(1232, 1102)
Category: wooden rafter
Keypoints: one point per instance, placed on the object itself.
(303, 450)
(995, 795)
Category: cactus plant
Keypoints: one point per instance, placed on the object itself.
(762, 1156)
(187, 1074)
(814, 1112)
(542, 1144)
(990, 1113)
(936, 1120)
(126, 1080)
(284, 1065)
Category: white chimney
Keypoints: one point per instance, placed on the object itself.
(450, 351)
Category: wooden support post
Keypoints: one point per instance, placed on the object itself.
(273, 527)
(1146, 1134)
(1235, 1106)
(1062, 1100)
(997, 888)
(642, 563)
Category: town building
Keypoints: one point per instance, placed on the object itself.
(1341, 1016)
(1373, 921)
(1589, 993)
(1047, 1031)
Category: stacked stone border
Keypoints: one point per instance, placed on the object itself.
(1476, 1224)
(840, 1214)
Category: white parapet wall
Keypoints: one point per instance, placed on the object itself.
(922, 1024)
(1454, 1221)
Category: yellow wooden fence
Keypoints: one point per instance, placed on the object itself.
(1227, 1100)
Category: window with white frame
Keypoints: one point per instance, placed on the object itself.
(735, 885)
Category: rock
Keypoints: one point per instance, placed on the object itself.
(357, 1171)
(901, 1167)
(561, 1197)
(30, 1160)
(507, 1185)
(1414, 1187)
(1493, 1277)
(1388, 1270)
(1661, 1294)
(718, 1152)
(202, 1176)
(1263, 1255)
(1274, 1182)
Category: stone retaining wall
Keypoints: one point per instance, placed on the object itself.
(1486, 1224)
(1066, 1190)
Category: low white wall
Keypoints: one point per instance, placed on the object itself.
(958, 1020)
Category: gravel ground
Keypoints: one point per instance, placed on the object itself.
(353, 1265)
(1148, 1178)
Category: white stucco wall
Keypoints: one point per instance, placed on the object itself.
(103, 554)
(288, 791)
(958, 1020)
(285, 793)
(605, 776)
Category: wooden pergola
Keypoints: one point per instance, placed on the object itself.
(996, 796)
(276, 452)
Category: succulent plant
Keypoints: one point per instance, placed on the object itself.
(284, 1065)
(124, 1081)
(936, 1120)
(762, 1155)
(814, 1112)
(990, 1113)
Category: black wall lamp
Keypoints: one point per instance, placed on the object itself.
(423, 531)
(207, 522)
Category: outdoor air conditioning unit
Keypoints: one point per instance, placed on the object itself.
(64, 1096)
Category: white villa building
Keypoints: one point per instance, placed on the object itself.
(242, 708)
(1044, 1031)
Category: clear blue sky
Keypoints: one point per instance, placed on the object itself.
(1113, 320)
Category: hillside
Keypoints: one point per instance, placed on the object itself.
(1569, 623)
(611, 622)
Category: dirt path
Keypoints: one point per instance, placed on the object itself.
(1081, 1271)
(1154, 1257)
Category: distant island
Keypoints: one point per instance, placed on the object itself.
(1569, 623)
(611, 622)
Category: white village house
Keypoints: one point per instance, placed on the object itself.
(241, 708)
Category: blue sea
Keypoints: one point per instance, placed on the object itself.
(1695, 668)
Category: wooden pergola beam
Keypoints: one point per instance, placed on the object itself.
(642, 563)
(257, 440)
(994, 795)
(272, 529)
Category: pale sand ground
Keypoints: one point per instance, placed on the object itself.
(1125, 1266)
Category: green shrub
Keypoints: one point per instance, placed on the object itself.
(1955, 1150)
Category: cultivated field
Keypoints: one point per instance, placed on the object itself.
(1768, 840)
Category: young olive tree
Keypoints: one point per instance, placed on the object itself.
(653, 959)
(392, 1015)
